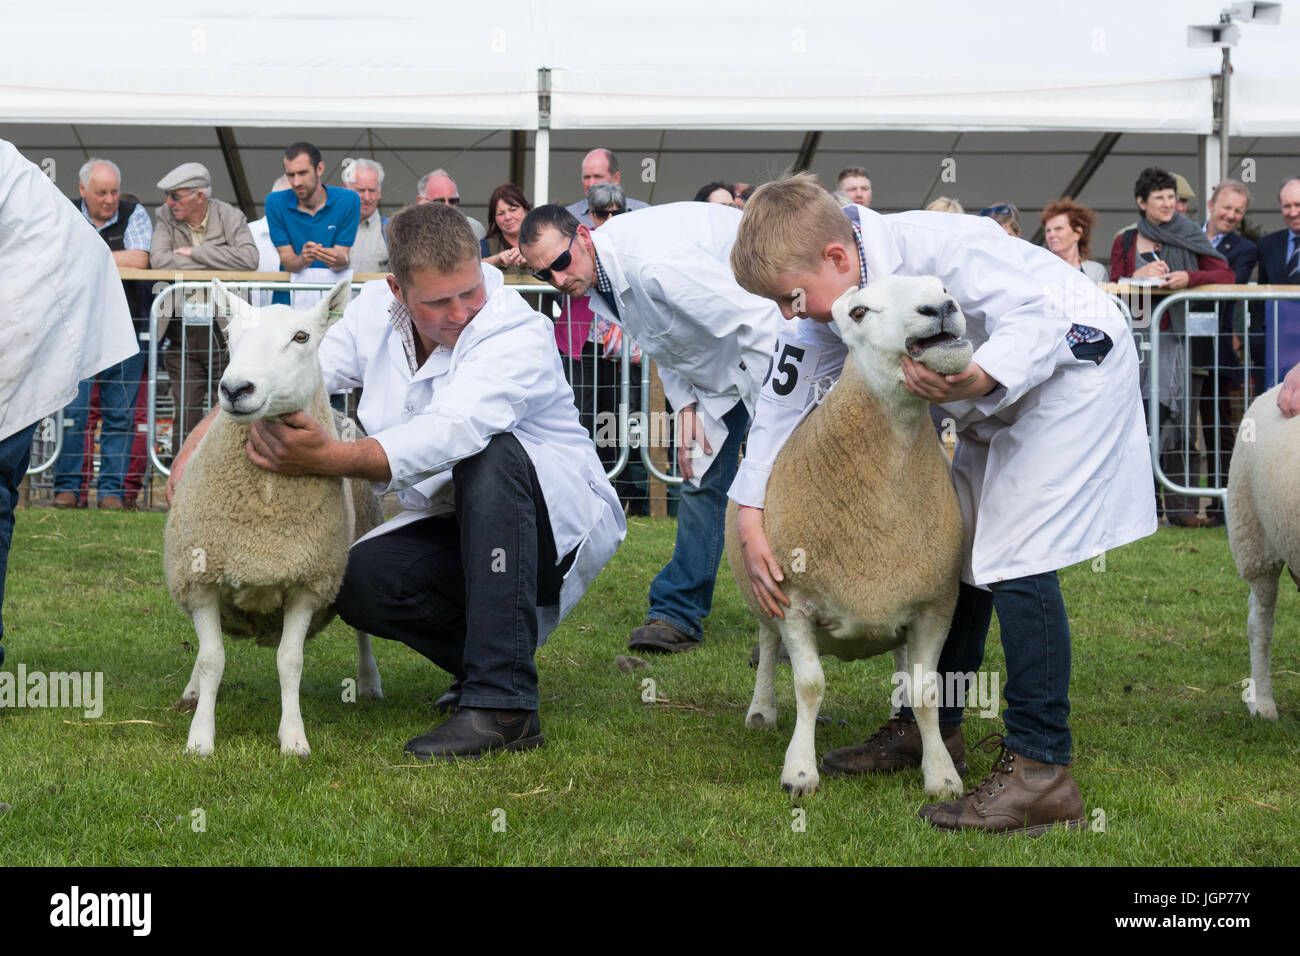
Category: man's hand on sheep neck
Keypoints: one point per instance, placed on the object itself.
(1288, 397)
(972, 382)
(298, 445)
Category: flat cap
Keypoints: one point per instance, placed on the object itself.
(1184, 188)
(186, 176)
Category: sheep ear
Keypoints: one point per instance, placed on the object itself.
(335, 302)
(226, 305)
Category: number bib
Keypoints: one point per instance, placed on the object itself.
(791, 372)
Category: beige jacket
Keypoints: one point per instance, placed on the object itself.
(228, 244)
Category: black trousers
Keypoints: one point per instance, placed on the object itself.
(463, 589)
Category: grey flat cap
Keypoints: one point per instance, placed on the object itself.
(186, 176)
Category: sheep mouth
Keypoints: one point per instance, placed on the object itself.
(916, 347)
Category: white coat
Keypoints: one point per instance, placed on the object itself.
(1053, 467)
(63, 314)
(670, 267)
(503, 375)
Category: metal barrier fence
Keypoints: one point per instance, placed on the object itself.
(1212, 447)
(48, 432)
(198, 315)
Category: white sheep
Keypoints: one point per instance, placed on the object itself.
(861, 513)
(1264, 528)
(252, 551)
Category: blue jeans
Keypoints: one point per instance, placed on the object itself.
(15, 452)
(682, 593)
(1036, 642)
(118, 387)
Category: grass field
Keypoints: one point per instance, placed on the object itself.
(1166, 755)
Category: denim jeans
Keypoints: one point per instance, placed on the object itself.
(682, 593)
(118, 387)
(15, 452)
(1036, 642)
(463, 589)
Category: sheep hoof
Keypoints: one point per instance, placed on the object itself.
(801, 783)
(760, 719)
(1263, 708)
(947, 787)
(294, 744)
(370, 693)
(199, 748)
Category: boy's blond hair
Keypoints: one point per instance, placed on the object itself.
(786, 225)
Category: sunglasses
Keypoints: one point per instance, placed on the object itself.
(1002, 210)
(561, 262)
(453, 201)
(606, 213)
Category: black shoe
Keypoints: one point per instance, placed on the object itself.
(660, 637)
(472, 732)
(449, 702)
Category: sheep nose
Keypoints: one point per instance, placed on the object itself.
(233, 395)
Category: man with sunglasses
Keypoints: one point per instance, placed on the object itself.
(438, 186)
(664, 274)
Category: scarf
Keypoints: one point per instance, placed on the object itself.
(1181, 242)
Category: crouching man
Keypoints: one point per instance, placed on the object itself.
(1052, 465)
(507, 514)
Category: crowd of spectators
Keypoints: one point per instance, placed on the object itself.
(319, 233)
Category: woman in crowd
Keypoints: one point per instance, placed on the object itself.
(718, 192)
(1067, 231)
(1168, 247)
(945, 204)
(1005, 215)
(507, 207)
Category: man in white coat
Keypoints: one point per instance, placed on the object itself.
(664, 275)
(60, 325)
(507, 514)
(1052, 464)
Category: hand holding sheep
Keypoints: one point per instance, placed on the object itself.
(971, 382)
(1288, 399)
(295, 445)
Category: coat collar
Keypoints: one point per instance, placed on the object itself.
(882, 253)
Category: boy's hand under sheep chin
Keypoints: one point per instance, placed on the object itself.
(971, 382)
(764, 570)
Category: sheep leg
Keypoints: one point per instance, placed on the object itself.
(900, 667)
(762, 708)
(288, 660)
(208, 666)
(190, 695)
(368, 683)
(799, 775)
(925, 642)
(1259, 628)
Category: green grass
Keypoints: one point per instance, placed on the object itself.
(1164, 745)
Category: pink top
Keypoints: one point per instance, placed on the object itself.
(571, 333)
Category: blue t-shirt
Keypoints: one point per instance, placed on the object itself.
(333, 224)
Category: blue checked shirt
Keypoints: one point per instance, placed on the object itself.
(606, 288)
(139, 228)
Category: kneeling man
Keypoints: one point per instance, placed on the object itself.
(507, 514)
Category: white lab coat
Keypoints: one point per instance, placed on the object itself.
(670, 267)
(1053, 467)
(504, 375)
(63, 314)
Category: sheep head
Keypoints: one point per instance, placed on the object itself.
(273, 366)
(902, 315)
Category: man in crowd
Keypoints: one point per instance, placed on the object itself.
(45, 310)
(599, 166)
(438, 186)
(124, 225)
(664, 275)
(312, 226)
(854, 182)
(365, 177)
(507, 515)
(192, 230)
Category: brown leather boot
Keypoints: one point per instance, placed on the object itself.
(895, 746)
(1020, 795)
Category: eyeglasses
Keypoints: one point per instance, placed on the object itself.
(561, 262)
(606, 213)
(1002, 210)
(453, 201)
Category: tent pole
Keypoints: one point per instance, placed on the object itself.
(542, 144)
